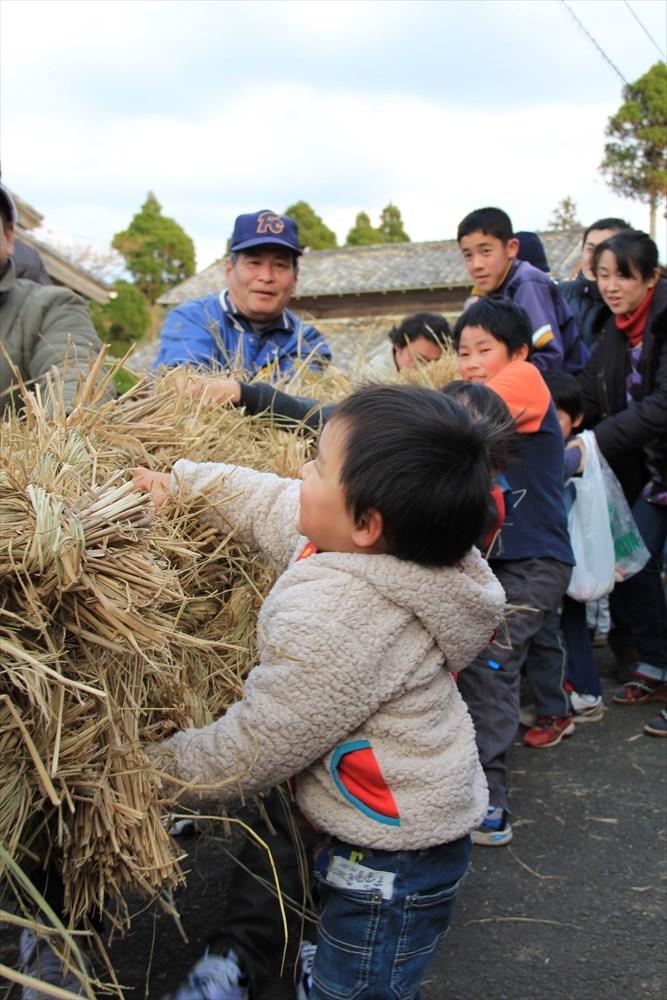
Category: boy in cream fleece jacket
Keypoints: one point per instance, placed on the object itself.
(381, 598)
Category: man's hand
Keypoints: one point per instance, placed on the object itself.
(211, 391)
(155, 483)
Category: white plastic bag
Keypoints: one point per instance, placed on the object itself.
(631, 553)
(590, 533)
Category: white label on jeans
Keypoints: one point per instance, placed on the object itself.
(349, 875)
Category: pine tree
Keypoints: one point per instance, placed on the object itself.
(313, 232)
(362, 233)
(158, 252)
(634, 160)
(391, 225)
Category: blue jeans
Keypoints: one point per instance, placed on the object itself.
(382, 915)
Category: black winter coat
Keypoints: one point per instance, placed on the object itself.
(633, 439)
(584, 299)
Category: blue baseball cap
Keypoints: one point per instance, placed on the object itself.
(266, 227)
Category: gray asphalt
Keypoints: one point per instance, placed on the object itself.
(574, 909)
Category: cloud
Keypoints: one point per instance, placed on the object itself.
(219, 108)
(267, 150)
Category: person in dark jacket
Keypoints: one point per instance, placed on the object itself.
(248, 326)
(624, 388)
(582, 293)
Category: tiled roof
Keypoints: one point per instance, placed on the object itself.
(386, 267)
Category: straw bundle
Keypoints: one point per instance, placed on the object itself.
(117, 625)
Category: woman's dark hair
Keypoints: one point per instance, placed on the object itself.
(634, 251)
(503, 319)
(491, 412)
(418, 458)
(431, 326)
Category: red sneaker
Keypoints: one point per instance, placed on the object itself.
(549, 730)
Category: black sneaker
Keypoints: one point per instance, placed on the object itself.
(658, 725)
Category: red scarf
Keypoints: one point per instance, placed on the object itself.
(634, 324)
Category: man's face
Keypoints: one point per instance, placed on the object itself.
(6, 243)
(261, 282)
(593, 239)
(487, 259)
(419, 350)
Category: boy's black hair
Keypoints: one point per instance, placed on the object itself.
(500, 317)
(611, 223)
(487, 409)
(417, 458)
(634, 251)
(565, 391)
(431, 326)
(491, 221)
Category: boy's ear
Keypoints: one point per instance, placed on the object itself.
(521, 353)
(578, 420)
(512, 247)
(367, 532)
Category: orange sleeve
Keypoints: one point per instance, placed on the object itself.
(524, 390)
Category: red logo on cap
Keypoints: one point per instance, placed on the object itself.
(267, 222)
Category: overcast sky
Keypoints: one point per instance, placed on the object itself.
(226, 107)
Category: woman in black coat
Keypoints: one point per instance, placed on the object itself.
(624, 386)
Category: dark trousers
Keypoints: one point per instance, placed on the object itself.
(637, 606)
(532, 637)
(252, 924)
(582, 672)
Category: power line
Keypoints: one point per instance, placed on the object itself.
(645, 30)
(597, 46)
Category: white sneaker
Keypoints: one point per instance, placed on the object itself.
(528, 715)
(36, 959)
(214, 977)
(307, 959)
(586, 707)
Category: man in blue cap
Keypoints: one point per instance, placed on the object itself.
(247, 326)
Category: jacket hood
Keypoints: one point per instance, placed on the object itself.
(454, 604)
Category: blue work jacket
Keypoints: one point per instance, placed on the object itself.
(209, 333)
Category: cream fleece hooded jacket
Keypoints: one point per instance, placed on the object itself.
(353, 692)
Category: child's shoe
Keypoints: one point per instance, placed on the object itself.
(549, 731)
(214, 977)
(37, 959)
(586, 707)
(307, 959)
(495, 830)
(658, 725)
(640, 689)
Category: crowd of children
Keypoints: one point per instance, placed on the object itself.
(389, 677)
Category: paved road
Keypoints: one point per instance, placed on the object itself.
(574, 909)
